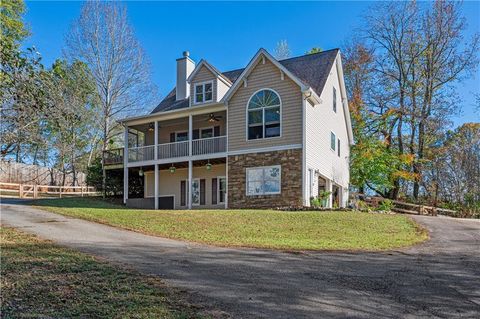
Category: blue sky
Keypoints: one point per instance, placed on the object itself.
(227, 34)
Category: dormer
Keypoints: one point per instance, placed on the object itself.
(207, 85)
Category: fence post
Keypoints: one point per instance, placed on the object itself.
(60, 193)
(81, 190)
(20, 190)
(35, 191)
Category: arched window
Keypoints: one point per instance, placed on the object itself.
(263, 114)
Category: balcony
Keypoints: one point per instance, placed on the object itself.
(167, 151)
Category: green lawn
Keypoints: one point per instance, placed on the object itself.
(42, 280)
(253, 228)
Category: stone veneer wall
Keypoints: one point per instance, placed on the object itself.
(291, 180)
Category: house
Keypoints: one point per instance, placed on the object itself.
(275, 133)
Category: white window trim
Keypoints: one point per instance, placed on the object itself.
(204, 129)
(218, 189)
(202, 84)
(263, 116)
(180, 132)
(263, 170)
(335, 135)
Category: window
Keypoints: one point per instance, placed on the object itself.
(203, 92)
(181, 136)
(222, 189)
(334, 100)
(206, 132)
(263, 115)
(338, 148)
(263, 180)
(333, 141)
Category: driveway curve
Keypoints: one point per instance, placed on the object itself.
(437, 279)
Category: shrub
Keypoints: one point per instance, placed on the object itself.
(385, 205)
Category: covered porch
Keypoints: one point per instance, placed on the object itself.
(195, 184)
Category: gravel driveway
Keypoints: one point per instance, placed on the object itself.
(438, 279)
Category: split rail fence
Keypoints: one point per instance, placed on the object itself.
(44, 191)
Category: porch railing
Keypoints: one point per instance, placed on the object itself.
(114, 156)
(209, 145)
(140, 154)
(171, 150)
(201, 146)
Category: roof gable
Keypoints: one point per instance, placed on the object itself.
(204, 64)
(261, 54)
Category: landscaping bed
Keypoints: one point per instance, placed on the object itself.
(298, 230)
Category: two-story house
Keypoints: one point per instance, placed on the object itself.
(274, 133)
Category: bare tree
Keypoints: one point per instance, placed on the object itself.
(103, 38)
(282, 51)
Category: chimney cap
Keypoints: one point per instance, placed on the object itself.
(186, 54)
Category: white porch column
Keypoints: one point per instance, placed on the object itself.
(155, 154)
(190, 134)
(190, 168)
(125, 165)
(226, 182)
(189, 193)
(329, 186)
(155, 183)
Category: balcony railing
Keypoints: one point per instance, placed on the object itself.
(140, 154)
(201, 146)
(171, 150)
(209, 145)
(113, 157)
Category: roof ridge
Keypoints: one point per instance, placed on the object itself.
(308, 54)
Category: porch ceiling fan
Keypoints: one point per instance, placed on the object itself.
(212, 118)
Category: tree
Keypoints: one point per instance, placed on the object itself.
(71, 123)
(314, 50)
(21, 89)
(418, 53)
(103, 39)
(282, 51)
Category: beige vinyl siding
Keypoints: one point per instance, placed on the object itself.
(265, 76)
(170, 183)
(199, 122)
(203, 75)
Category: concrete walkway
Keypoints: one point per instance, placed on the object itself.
(438, 279)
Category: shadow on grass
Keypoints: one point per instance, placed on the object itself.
(40, 279)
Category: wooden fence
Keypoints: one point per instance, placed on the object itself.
(12, 172)
(44, 191)
(408, 208)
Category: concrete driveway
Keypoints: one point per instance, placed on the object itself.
(438, 279)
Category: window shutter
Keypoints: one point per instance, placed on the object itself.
(196, 134)
(216, 131)
(214, 191)
(172, 137)
(183, 195)
(202, 192)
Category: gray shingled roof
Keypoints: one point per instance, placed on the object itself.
(312, 69)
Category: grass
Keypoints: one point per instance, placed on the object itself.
(253, 228)
(42, 280)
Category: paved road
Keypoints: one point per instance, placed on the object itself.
(439, 279)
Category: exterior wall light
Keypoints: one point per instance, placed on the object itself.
(140, 172)
(209, 166)
(172, 169)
